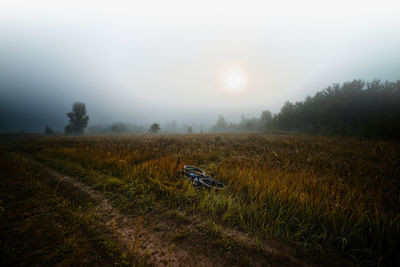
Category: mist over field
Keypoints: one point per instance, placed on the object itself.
(165, 61)
(199, 133)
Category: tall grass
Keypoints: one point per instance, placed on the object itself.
(322, 194)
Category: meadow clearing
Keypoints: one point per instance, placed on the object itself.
(322, 197)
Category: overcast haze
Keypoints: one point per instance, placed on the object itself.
(158, 61)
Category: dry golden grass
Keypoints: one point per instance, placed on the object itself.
(325, 195)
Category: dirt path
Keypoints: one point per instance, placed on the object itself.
(134, 237)
(160, 247)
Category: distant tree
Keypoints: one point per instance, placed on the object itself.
(48, 131)
(286, 119)
(154, 128)
(118, 127)
(252, 124)
(190, 129)
(266, 120)
(221, 124)
(78, 120)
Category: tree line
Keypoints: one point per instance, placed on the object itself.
(355, 108)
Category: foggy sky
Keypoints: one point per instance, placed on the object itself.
(158, 61)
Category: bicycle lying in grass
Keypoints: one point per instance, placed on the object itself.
(200, 178)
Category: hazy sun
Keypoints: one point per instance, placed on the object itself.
(234, 81)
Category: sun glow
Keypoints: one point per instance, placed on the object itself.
(234, 81)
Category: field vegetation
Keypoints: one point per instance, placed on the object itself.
(45, 221)
(323, 196)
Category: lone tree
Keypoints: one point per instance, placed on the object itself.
(221, 124)
(266, 120)
(190, 129)
(154, 128)
(78, 120)
(48, 131)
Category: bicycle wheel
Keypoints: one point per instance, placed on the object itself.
(193, 170)
(211, 183)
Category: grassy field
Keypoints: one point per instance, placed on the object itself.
(47, 222)
(323, 197)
